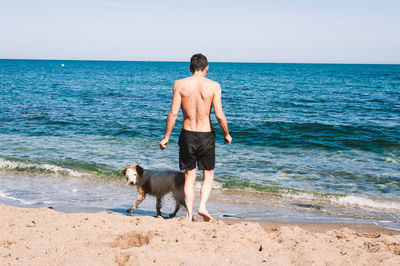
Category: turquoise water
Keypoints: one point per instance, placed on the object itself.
(307, 134)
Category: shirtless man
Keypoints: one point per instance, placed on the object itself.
(196, 95)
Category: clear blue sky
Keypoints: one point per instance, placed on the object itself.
(358, 31)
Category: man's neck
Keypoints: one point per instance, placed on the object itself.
(200, 74)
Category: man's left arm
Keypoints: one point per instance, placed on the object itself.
(172, 115)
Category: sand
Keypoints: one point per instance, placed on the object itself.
(46, 237)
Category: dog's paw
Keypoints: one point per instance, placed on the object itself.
(172, 215)
(129, 210)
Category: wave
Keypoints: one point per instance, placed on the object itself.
(367, 202)
(69, 169)
(391, 160)
(349, 200)
(20, 166)
(313, 199)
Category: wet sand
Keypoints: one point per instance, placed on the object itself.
(46, 237)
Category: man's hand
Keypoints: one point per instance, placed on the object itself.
(163, 143)
(228, 139)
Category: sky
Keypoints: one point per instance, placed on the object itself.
(308, 31)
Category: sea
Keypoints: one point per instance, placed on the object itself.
(311, 142)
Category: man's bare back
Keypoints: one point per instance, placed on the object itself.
(197, 95)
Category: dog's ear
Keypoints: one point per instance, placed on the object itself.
(124, 171)
(139, 170)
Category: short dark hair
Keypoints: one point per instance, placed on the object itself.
(198, 62)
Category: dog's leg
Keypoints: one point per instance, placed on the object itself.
(158, 206)
(141, 197)
(177, 207)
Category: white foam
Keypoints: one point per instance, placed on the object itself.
(391, 160)
(3, 195)
(350, 200)
(216, 185)
(305, 196)
(51, 201)
(366, 202)
(13, 165)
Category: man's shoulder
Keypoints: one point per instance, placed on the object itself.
(181, 81)
(188, 81)
(212, 83)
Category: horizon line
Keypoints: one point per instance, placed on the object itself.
(187, 61)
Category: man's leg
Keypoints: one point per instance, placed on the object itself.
(190, 180)
(206, 187)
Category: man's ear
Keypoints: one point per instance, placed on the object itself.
(139, 170)
(205, 70)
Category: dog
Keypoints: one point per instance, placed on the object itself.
(158, 184)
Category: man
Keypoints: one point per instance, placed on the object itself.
(196, 95)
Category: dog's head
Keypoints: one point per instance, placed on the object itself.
(132, 174)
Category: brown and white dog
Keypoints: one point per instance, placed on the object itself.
(158, 184)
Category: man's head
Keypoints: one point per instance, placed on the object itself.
(198, 62)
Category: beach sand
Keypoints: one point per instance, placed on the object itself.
(46, 237)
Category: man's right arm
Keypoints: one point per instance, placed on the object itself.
(172, 115)
(219, 114)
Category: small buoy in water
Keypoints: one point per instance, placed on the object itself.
(62, 65)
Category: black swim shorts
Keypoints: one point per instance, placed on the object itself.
(196, 147)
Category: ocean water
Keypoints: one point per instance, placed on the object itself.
(311, 142)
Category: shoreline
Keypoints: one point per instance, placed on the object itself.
(91, 194)
(44, 236)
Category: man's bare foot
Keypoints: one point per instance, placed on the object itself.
(191, 220)
(206, 216)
